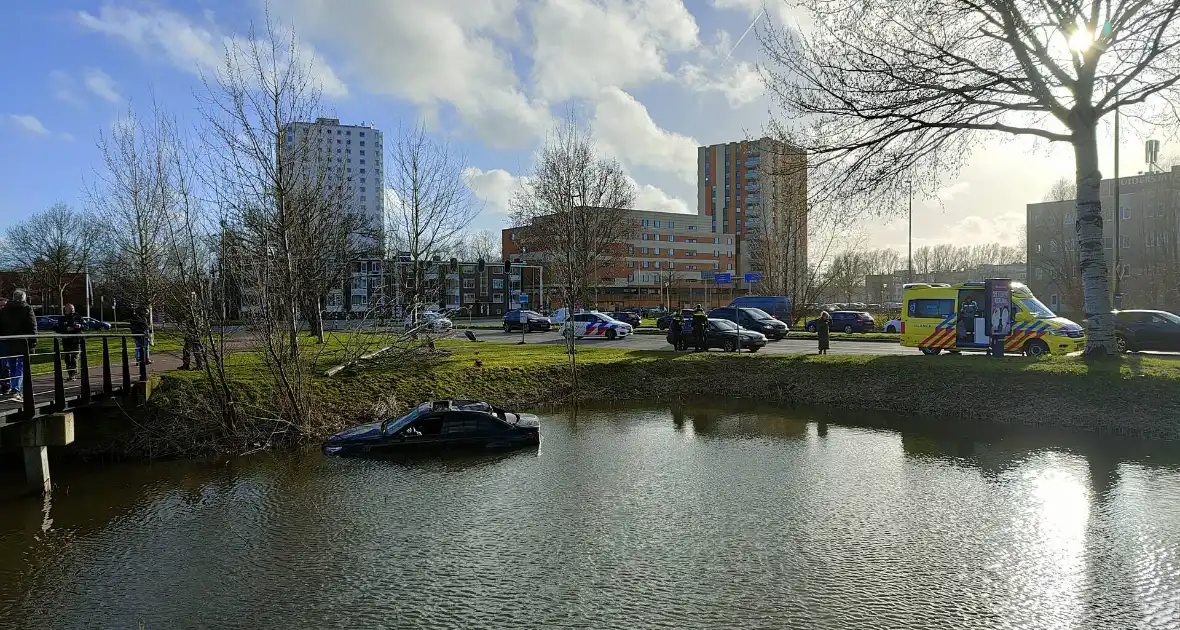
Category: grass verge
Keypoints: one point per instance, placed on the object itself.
(1134, 395)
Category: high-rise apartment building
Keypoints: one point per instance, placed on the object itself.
(351, 156)
(757, 191)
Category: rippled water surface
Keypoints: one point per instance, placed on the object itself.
(696, 517)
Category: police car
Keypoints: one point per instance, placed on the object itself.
(595, 324)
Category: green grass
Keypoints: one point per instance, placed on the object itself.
(42, 361)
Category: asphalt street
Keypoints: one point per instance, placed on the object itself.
(657, 342)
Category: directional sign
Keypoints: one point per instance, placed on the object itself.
(723, 278)
(753, 278)
(524, 298)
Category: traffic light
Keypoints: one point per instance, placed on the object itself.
(507, 267)
(480, 264)
(454, 264)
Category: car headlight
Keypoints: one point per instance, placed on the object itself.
(1059, 332)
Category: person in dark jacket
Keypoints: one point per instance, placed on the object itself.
(700, 322)
(16, 318)
(823, 327)
(5, 388)
(676, 326)
(140, 324)
(70, 323)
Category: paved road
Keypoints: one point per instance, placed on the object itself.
(657, 342)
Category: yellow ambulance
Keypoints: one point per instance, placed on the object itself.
(937, 317)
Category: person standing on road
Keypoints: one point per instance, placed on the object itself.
(140, 325)
(5, 388)
(16, 318)
(823, 327)
(676, 326)
(967, 314)
(70, 323)
(700, 322)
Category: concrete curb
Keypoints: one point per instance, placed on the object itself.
(803, 336)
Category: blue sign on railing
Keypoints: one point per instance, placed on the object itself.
(723, 278)
(753, 278)
(524, 298)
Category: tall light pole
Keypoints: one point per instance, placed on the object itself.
(1118, 209)
(910, 246)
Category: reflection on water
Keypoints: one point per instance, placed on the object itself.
(699, 515)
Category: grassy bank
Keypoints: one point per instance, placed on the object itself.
(1134, 396)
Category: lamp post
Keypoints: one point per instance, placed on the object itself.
(1118, 209)
(910, 242)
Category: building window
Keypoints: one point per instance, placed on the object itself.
(1040, 274)
(692, 267)
(362, 143)
(657, 264)
(630, 250)
(671, 265)
(644, 237)
(645, 264)
(656, 237)
(498, 298)
(689, 252)
(630, 277)
(671, 238)
(729, 267)
(362, 134)
(468, 297)
(497, 283)
(362, 151)
(656, 251)
(630, 264)
(1125, 213)
(642, 250)
(671, 252)
(692, 228)
(671, 225)
(729, 241)
(644, 223)
(657, 223)
(1125, 241)
(468, 283)
(512, 236)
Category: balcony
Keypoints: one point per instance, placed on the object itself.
(753, 187)
(752, 199)
(753, 175)
(753, 162)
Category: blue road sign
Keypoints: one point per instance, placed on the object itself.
(524, 298)
(723, 278)
(753, 277)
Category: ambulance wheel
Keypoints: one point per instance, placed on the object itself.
(1036, 348)
(1120, 343)
(931, 351)
(611, 335)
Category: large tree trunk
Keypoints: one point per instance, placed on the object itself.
(1091, 256)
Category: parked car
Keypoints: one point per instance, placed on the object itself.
(442, 424)
(665, 321)
(892, 326)
(847, 321)
(559, 316)
(778, 306)
(595, 324)
(46, 322)
(726, 335)
(1138, 330)
(627, 316)
(433, 320)
(752, 319)
(536, 321)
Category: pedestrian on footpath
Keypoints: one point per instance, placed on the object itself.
(16, 318)
(823, 327)
(193, 355)
(5, 388)
(141, 325)
(700, 322)
(70, 323)
(677, 328)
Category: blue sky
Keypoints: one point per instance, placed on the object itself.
(654, 77)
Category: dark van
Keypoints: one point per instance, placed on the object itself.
(779, 306)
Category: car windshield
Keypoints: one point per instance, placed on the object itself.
(757, 313)
(724, 324)
(397, 425)
(532, 313)
(1034, 307)
(606, 317)
(1171, 317)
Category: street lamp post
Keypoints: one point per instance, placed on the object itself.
(1118, 209)
(910, 243)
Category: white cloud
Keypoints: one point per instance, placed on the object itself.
(188, 45)
(31, 124)
(585, 45)
(431, 53)
(626, 130)
(62, 85)
(494, 187)
(739, 82)
(649, 197)
(101, 84)
(754, 8)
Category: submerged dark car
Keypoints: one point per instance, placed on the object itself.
(442, 424)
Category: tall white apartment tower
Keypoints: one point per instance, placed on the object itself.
(355, 153)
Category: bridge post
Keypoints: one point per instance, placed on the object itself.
(59, 385)
(37, 435)
(106, 367)
(27, 385)
(84, 372)
(126, 369)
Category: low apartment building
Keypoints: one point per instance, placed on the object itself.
(671, 261)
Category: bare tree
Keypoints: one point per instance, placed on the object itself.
(131, 195)
(53, 247)
(285, 204)
(1063, 189)
(431, 205)
(571, 214)
(669, 279)
(482, 245)
(879, 93)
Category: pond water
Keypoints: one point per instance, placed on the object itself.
(700, 516)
